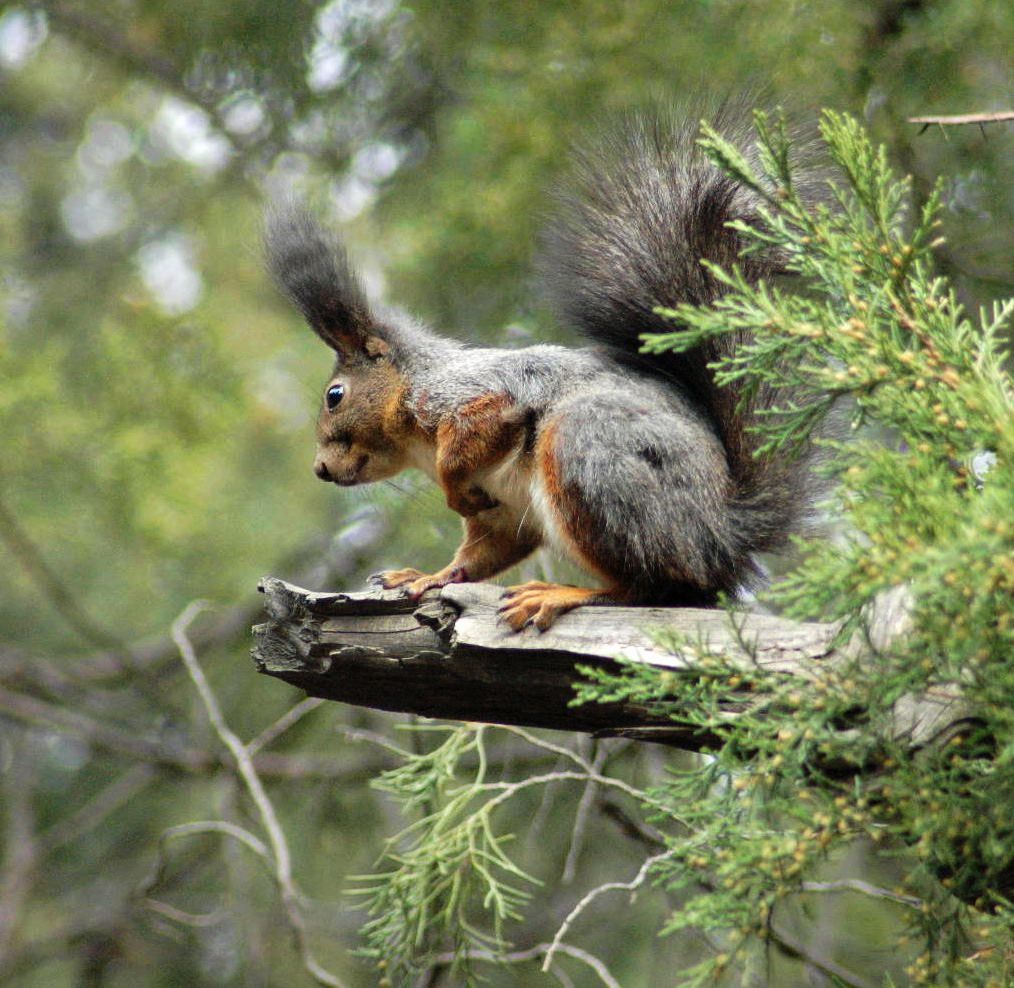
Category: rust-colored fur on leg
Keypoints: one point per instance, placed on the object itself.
(538, 603)
(485, 551)
(477, 436)
(541, 603)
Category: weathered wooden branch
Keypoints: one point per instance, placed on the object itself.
(448, 656)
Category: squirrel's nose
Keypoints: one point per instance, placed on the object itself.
(321, 470)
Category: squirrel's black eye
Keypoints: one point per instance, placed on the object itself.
(334, 395)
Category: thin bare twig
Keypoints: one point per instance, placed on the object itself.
(238, 833)
(864, 888)
(793, 947)
(544, 810)
(129, 743)
(963, 118)
(280, 855)
(104, 736)
(181, 916)
(507, 789)
(21, 857)
(280, 726)
(151, 655)
(97, 809)
(174, 913)
(635, 883)
(538, 742)
(52, 588)
(581, 816)
(631, 827)
(362, 736)
(520, 956)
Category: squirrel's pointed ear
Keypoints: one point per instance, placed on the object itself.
(311, 266)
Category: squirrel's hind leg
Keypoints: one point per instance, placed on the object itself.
(632, 487)
(537, 603)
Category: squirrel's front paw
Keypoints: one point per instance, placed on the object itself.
(415, 584)
(470, 501)
(391, 578)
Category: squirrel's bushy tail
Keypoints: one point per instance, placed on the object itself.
(641, 209)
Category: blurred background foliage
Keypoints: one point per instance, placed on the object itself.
(157, 397)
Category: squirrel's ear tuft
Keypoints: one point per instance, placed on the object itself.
(311, 266)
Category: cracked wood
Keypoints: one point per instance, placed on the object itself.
(447, 656)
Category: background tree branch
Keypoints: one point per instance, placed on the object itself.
(963, 118)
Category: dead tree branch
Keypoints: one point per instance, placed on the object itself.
(448, 656)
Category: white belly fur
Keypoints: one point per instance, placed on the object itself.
(520, 493)
(507, 483)
(523, 494)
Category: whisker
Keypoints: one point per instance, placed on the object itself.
(524, 515)
(485, 535)
(415, 496)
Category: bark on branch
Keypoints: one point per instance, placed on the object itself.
(447, 656)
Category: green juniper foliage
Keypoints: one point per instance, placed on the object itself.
(806, 768)
(447, 859)
(449, 878)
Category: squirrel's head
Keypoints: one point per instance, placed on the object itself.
(363, 431)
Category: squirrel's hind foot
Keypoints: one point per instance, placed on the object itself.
(540, 604)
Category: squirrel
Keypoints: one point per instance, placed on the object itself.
(638, 468)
